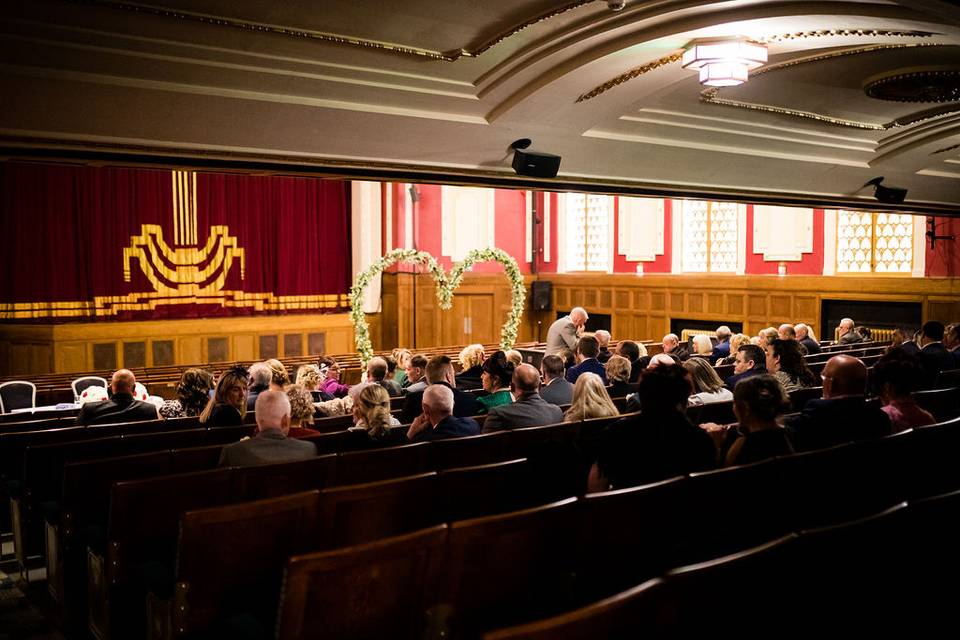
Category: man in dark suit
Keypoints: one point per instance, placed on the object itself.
(842, 414)
(722, 348)
(951, 340)
(803, 337)
(933, 356)
(439, 370)
(751, 361)
(555, 389)
(603, 339)
(271, 443)
(847, 333)
(121, 407)
(528, 410)
(631, 351)
(586, 354)
(437, 420)
(377, 374)
(259, 377)
(671, 344)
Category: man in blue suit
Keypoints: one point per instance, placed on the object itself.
(586, 352)
(722, 348)
(437, 420)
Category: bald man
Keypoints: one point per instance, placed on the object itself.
(120, 407)
(528, 409)
(271, 443)
(437, 420)
(842, 415)
(563, 333)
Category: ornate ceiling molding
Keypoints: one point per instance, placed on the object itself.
(917, 86)
(636, 72)
(333, 38)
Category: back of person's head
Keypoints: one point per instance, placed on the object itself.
(590, 399)
(661, 359)
(552, 366)
(526, 379)
(702, 344)
(753, 353)
(279, 375)
(587, 346)
(471, 356)
(864, 332)
(193, 390)
(301, 404)
(123, 381)
(439, 369)
(723, 332)
(702, 375)
(762, 397)
(498, 367)
(260, 375)
(901, 335)
(951, 333)
(792, 361)
(569, 360)
(308, 377)
(603, 337)
(896, 374)
(844, 376)
(664, 388)
(768, 335)
(373, 405)
(629, 349)
(400, 355)
(391, 365)
(617, 369)
(933, 330)
(515, 357)
(377, 368)
(787, 332)
(272, 410)
(439, 400)
(418, 361)
(738, 339)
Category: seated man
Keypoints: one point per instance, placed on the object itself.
(377, 374)
(437, 420)
(555, 390)
(271, 443)
(259, 376)
(751, 361)
(842, 414)
(415, 369)
(440, 371)
(671, 344)
(121, 407)
(721, 350)
(528, 410)
(804, 338)
(846, 332)
(603, 340)
(933, 356)
(586, 355)
(636, 354)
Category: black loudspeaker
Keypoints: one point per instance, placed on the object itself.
(541, 294)
(535, 164)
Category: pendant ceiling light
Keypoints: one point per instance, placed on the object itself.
(724, 63)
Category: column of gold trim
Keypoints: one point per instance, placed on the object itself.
(193, 210)
(176, 228)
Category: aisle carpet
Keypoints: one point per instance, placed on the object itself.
(19, 619)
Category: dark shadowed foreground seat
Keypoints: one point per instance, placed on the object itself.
(468, 451)
(380, 464)
(472, 492)
(944, 404)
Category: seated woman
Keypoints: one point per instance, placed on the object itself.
(301, 412)
(515, 357)
(400, 357)
(786, 363)
(193, 394)
(330, 372)
(228, 406)
(736, 340)
(471, 367)
(757, 402)
(371, 410)
(707, 385)
(590, 399)
(308, 377)
(702, 346)
(279, 377)
(496, 378)
(618, 375)
(896, 375)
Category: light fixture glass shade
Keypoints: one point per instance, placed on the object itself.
(724, 63)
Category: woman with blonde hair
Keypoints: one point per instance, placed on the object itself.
(279, 377)
(400, 357)
(471, 367)
(590, 400)
(228, 406)
(702, 346)
(301, 412)
(707, 385)
(309, 378)
(371, 410)
(515, 357)
(618, 375)
(736, 340)
(767, 336)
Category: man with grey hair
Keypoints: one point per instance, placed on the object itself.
(722, 348)
(258, 378)
(804, 338)
(528, 409)
(377, 374)
(846, 332)
(437, 420)
(563, 333)
(271, 443)
(121, 406)
(671, 344)
(603, 341)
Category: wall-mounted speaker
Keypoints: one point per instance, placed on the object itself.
(541, 295)
(535, 164)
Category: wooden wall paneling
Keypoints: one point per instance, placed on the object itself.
(104, 355)
(781, 308)
(269, 347)
(677, 305)
(72, 356)
(292, 345)
(190, 349)
(715, 304)
(135, 354)
(735, 304)
(244, 347)
(695, 303)
(217, 349)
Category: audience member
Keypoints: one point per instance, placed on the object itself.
(371, 410)
(439, 370)
(736, 340)
(271, 443)
(707, 385)
(951, 337)
(121, 406)
(657, 443)
(258, 381)
(663, 359)
(721, 350)
(437, 420)
(529, 410)
(846, 332)
(392, 371)
(193, 393)
(603, 342)
(757, 404)
(555, 388)
(807, 338)
(377, 374)
(515, 357)
(586, 353)
(767, 336)
(903, 339)
(279, 378)
(671, 344)
(416, 368)
(786, 363)
(751, 361)
(330, 371)
(702, 346)
(842, 414)
(787, 332)
(590, 400)
(497, 374)
(301, 412)
(471, 367)
(400, 356)
(569, 359)
(636, 353)
(618, 377)
(563, 333)
(933, 356)
(896, 375)
(228, 406)
(309, 378)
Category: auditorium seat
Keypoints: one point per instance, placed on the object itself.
(272, 480)
(944, 404)
(17, 394)
(472, 492)
(468, 451)
(80, 384)
(379, 464)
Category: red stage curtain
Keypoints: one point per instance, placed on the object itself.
(65, 229)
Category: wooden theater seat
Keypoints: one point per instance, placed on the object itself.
(468, 451)
(379, 464)
(472, 492)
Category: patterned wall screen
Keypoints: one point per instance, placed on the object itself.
(874, 242)
(709, 236)
(588, 232)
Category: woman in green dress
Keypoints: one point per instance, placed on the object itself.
(496, 378)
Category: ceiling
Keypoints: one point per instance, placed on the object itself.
(438, 91)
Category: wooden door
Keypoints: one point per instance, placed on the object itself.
(471, 319)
